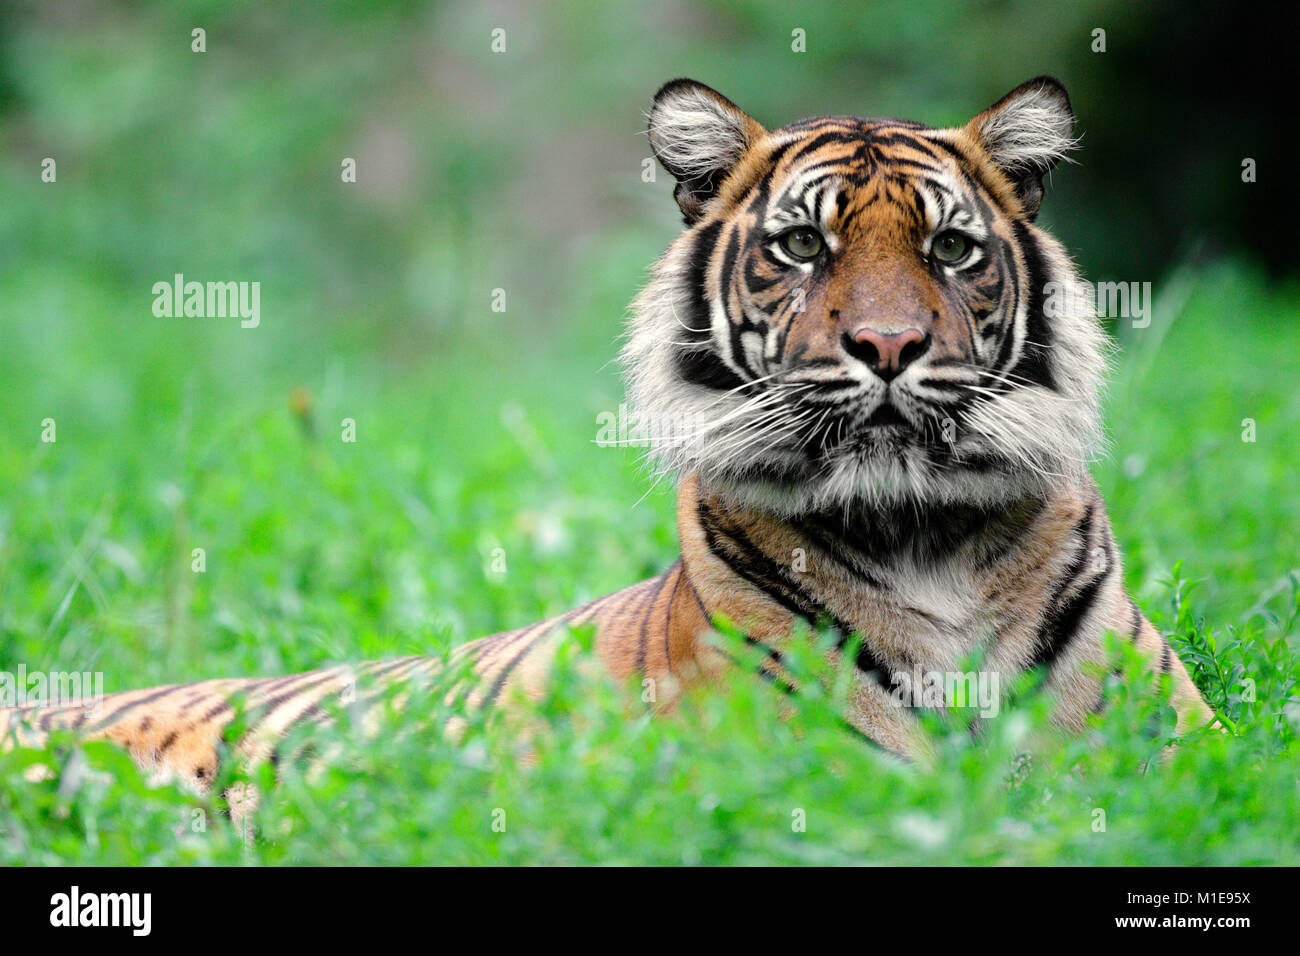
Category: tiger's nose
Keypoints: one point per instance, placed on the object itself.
(887, 355)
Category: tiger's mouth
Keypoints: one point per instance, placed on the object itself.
(886, 414)
(886, 431)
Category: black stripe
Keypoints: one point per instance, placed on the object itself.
(708, 618)
(1008, 328)
(757, 567)
(1011, 534)
(499, 684)
(219, 708)
(1034, 364)
(699, 322)
(896, 137)
(1061, 623)
(1118, 672)
(772, 653)
(265, 709)
(110, 719)
(644, 633)
(512, 638)
(579, 616)
(823, 139)
(756, 283)
(754, 566)
(729, 259)
(668, 618)
(839, 550)
(1064, 623)
(704, 367)
(762, 672)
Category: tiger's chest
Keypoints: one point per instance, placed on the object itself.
(932, 616)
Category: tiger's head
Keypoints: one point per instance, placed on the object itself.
(862, 311)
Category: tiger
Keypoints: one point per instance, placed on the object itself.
(875, 380)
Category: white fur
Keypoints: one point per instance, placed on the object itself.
(1031, 132)
(694, 133)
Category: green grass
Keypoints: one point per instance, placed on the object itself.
(321, 551)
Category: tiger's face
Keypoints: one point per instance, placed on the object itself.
(861, 310)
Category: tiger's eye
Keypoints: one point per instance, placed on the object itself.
(950, 247)
(802, 243)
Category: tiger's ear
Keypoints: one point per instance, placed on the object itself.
(698, 135)
(1026, 133)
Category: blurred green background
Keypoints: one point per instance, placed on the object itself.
(518, 171)
(521, 171)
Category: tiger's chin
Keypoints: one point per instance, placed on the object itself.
(881, 467)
